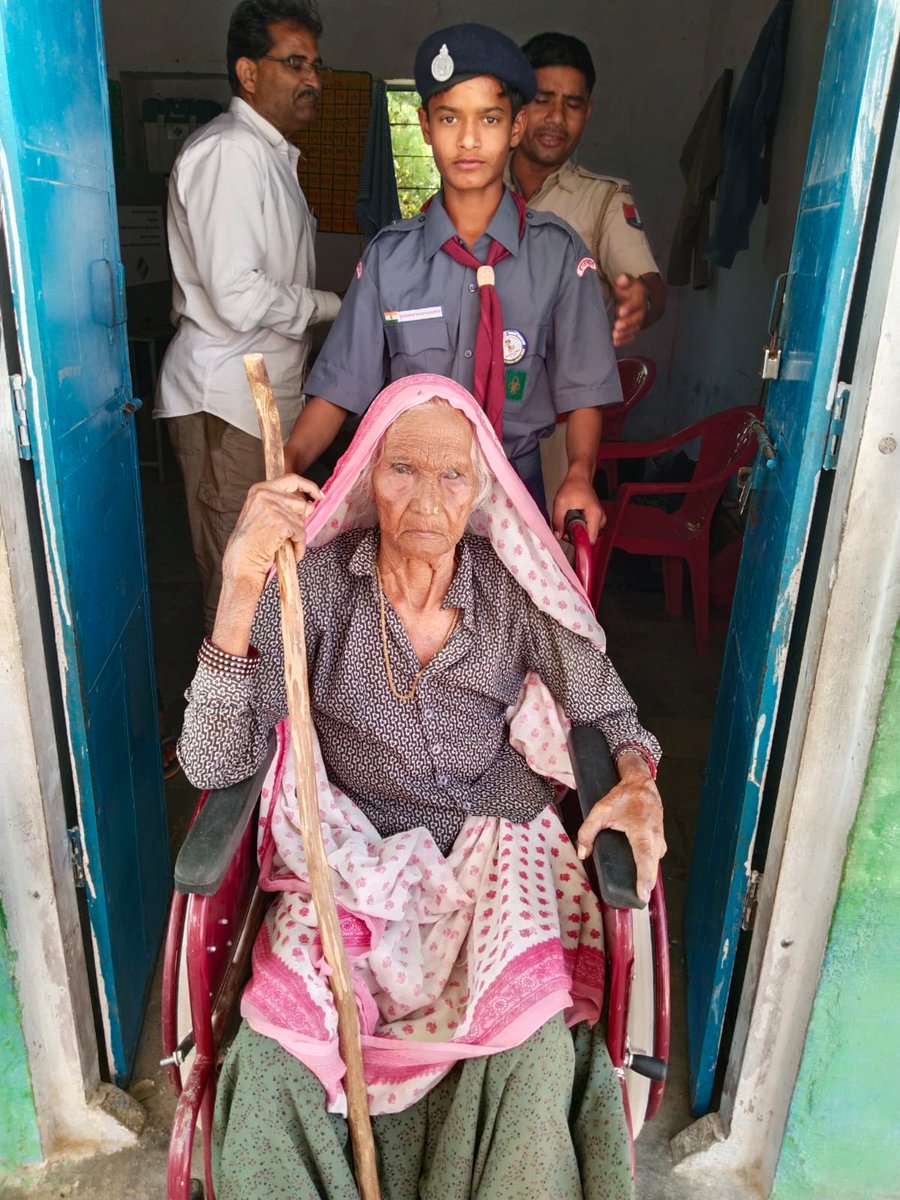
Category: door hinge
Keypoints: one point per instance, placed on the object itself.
(748, 912)
(76, 854)
(836, 427)
(20, 416)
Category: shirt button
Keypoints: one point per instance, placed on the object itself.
(436, 748)
(465, 804)
(473, 287)
(467, 353)
(428, 714)
(443, 781)
(421, 218)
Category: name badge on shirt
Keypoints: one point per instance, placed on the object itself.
(399, 317)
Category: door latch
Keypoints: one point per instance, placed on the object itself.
(766, 449)
(771, 363)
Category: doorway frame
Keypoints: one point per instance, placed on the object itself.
(799, 888)
(845, 655)
(38, 889)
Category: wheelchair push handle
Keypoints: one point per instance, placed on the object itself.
(575, 527)
(574, 516)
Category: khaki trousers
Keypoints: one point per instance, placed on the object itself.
(219, 463)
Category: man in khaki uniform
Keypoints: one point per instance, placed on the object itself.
(600, 208)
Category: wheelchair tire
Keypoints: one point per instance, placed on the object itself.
(641, 1016)
(196, 1190)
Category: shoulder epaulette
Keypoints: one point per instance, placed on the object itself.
(535, 217)
(404, 225)
(621, 185)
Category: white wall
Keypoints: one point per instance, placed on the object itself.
(720, 332)
(656, 61)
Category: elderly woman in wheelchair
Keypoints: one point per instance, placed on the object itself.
(449, 645)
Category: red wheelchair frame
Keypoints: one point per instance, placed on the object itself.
(217, 910)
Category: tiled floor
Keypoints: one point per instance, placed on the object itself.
(676, 694)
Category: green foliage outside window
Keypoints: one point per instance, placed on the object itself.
(417, 176)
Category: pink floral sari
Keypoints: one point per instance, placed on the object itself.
(452, 956)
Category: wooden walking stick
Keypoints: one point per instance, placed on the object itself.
(297, 686)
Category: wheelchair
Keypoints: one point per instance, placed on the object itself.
(217, 910)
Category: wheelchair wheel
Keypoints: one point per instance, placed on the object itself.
(196, 1190)
(641, 1016)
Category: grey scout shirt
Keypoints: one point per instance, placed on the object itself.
(412, 308)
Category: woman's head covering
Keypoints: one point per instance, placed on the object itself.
(509, 517)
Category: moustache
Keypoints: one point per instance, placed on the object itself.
(307, 94)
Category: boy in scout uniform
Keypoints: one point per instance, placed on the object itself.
(500, 298)
(599, 207)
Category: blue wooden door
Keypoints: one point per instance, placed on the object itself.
(856, 73)
(59, 217)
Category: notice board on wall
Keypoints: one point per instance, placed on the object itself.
(332, 150)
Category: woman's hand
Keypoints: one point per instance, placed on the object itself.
(635, 809)
(274, 514)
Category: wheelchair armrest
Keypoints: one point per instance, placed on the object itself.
(220, 824)
(595, 775)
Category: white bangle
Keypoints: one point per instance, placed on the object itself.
(235, 666)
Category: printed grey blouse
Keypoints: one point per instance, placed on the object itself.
(438, 757)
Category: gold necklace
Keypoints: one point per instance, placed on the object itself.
(386, 655)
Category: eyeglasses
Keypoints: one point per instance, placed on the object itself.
(301, 65)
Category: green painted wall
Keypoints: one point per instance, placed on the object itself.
(19, 1140)
(843, 1134)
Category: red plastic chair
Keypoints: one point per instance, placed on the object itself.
(727, 443)
(217, 910)
(636, 375)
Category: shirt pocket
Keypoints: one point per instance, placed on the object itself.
(522, 376)
(418, 347)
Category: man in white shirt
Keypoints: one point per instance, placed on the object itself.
(241, 244)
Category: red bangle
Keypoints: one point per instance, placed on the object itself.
(635, 748)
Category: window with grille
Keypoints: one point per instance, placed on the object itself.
(417, 176)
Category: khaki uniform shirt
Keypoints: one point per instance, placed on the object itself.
(601, 209)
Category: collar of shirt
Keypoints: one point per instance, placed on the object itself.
(565, 177)
(503, 227)
(460, 593)
(246, 112)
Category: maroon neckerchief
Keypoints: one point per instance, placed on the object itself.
(489, 386)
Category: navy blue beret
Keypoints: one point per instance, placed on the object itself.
(472, 50)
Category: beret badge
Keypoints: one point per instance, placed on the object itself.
(442, 65)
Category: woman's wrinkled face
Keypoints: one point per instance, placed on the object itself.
(425, 483)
